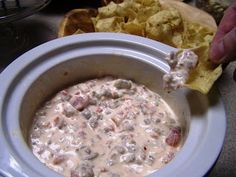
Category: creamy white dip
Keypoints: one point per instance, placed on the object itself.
(105, 127)
(181, 63)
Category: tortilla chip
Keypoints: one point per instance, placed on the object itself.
(205, 74)
(191, 14)
(164, 26)
(111, 24)
(133, 28)
(105, 2)
(77, 20)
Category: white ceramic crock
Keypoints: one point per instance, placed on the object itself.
(46, 69)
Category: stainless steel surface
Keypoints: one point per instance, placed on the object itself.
(11, 10)
(43, 26)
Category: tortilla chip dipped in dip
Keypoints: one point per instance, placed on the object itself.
(199, 30)
(171, 22)
(181, 63)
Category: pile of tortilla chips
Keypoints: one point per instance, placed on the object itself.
(171, 22)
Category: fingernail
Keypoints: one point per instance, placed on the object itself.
(217, 52)
(221, 52)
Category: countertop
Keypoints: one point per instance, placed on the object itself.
(43, 26)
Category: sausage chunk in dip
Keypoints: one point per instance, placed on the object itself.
(105, 127)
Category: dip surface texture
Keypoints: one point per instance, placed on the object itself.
(181, 63)
(105, 127)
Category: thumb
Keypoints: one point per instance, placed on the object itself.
(224, 50)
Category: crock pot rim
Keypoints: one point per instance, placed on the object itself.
(101, 36)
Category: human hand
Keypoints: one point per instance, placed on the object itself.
(223, 47)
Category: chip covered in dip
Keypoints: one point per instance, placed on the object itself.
(181, 63)
(106, 127)
(174, 23)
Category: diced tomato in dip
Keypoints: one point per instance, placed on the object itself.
(105, 127)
